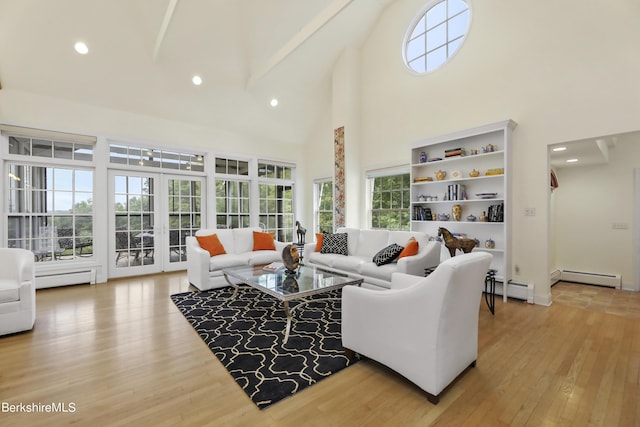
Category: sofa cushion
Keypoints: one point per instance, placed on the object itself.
(334, 244)
(211, 243)
(370, 242)
(322, 259)
(243, 240)
(263, 257)
(383, 272)
(387, 254)
(350, 263)
(263, 242)
(227, 260)
(9, 291)
(411, 248)
(226, 238)
(318, 241)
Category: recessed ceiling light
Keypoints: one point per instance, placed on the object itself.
(572, 160)
(274, 102)
(197, 80)
(81, 48)
(559, 148)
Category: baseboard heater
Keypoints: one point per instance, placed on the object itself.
(64, 279)
(609, 280)
(516, 290)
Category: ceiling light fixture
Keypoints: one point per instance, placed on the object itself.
(572, 160)
(274, 102)
(559, 148)
(197, 80)
(81, 48)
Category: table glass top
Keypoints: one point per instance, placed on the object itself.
(307, 280)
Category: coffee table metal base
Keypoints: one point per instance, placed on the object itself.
(288, 311)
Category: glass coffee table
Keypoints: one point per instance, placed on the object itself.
(307, 281)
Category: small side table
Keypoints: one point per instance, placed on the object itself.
(490, 290)
(428, 271)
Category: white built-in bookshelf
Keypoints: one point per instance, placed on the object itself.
(476, 164)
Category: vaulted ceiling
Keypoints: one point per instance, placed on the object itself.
(144, 53)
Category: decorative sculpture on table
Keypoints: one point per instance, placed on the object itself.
(452, 243)
(301, 232)
(290, 258)
(290, 284)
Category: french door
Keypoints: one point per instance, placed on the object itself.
(151, 215)
(182, 212)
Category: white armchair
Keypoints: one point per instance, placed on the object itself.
(424, 328)
(17, 290)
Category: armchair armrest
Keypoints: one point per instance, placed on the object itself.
(403, 280)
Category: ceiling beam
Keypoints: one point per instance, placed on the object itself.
(320, 20)
(171, 7)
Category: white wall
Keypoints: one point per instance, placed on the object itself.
(587, 202)
(42, 112)
(564, 71)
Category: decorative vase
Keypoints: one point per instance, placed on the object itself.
(290, 258)
(483, 217)
(489, 244)
(456, 212)
(423, 157)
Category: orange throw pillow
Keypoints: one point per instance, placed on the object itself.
(411, 248)
(212, 244)
(263, 242)
(318, 241)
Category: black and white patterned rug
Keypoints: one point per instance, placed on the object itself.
(246, 334)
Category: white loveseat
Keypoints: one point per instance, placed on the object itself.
(17, 291)
(364, 244)
(205, 271)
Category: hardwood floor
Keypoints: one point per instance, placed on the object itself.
(123, 354)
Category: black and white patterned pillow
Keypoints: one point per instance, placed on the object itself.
(388, 254)
(334, 244)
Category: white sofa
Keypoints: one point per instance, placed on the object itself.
(364, 244)
(205, 271)
(426, 329)
(17, 290)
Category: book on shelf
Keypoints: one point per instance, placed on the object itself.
(421, 213)
(454, 152)
(456, 192)
(496, 213)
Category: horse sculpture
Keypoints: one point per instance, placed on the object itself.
(452, 243)
(301, 232)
